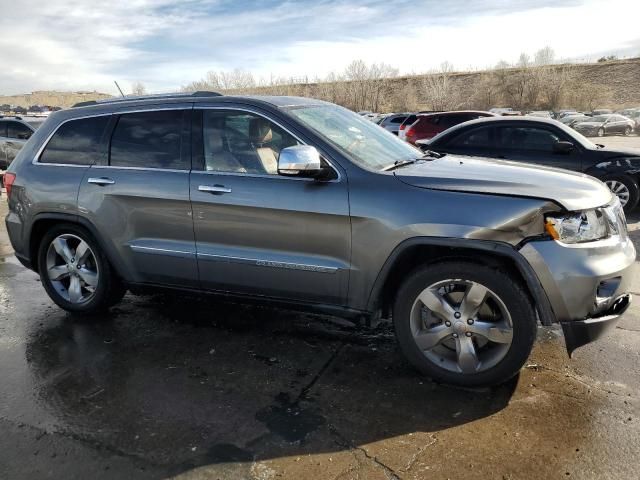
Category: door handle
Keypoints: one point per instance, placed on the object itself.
(101, 181)
(214, 189)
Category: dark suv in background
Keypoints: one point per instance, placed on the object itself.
(304, 203)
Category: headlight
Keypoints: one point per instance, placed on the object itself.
(578, 227)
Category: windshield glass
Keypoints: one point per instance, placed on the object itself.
(362, 141)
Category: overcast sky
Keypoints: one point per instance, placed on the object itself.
(75, 44)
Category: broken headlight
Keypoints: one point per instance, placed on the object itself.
(578, 227)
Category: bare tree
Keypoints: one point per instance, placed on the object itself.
(138, 88)
(545, 56)
(439, 91)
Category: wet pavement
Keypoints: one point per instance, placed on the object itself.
(173, 385)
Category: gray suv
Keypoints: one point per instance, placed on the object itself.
(305, 203)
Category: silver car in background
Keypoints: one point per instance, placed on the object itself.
(393, 121)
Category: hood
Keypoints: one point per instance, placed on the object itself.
(573, 191)
(615, 152)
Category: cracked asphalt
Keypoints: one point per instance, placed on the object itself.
(192, 388)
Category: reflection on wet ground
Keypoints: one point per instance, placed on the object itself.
(179, 385)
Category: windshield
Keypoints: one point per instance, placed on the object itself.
(362, 141)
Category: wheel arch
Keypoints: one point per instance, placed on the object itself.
(44, 221)
(424, 250)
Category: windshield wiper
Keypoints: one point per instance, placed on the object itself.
(400, 163)
(427, 155)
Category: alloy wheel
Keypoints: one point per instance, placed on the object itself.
(72, 268)
(461, 326)
(620, 190)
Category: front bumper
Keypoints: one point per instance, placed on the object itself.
(580, 332)
(587, 284)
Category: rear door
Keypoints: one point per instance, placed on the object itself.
(138, 196)
(258, 232)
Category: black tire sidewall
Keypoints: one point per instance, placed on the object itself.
(632, 186)
(100, 300)
(514, 297)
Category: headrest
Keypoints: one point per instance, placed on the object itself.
(260, 131)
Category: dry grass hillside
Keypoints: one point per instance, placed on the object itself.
(51, 98)
(611, 84)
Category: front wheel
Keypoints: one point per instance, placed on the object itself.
(463, 323)
(601, 132)
(627, 131)
(75, 272)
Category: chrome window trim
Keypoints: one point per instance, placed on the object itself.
(206, 172)
(260, 175)
(144, 169)
(124, 111)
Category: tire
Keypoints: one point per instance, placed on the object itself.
(497, 361)
(601, 132)
(627, 131)
(626, 188)
(98, 285)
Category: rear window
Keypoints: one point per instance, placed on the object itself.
(398, 119)
(18, 130)
(77, 142)
(148, 140)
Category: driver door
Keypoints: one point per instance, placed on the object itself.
(258, 232)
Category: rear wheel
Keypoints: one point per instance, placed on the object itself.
(626, 189)
(75, 272)
(464, 323)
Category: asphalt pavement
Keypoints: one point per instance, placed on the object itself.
(186, 386)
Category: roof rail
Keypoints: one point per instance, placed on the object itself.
(199, 93)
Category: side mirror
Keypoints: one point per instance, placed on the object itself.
(563, 147)
(300, 160)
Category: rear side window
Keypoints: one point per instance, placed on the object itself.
(478, 138)
(410, 120)
(3, 129)
(18, 130)
(527, 138)
(77, 142)
(148, 140)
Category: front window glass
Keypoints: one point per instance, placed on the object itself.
(241, 142)
(363, 142)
